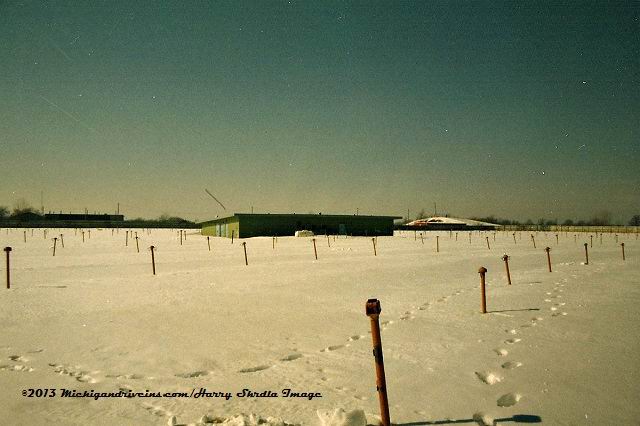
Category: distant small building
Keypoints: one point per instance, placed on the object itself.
(62, 217)
(448, 224)
(245, 225)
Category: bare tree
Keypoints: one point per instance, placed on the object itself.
(22, 206)
(602, 218)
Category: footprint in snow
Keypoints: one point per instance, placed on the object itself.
(355, 337)
(488, 377)
(17, 358)
(512, 341)
(332, 348)
(192, 374)
(510, 365)
(291, 357)
(17, 367)
(501, 352)
(254, 369)
(509, 399)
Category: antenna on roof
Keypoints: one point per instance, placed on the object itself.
(218, 201)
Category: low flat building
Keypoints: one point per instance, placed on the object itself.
(245, 225)
(440, 223)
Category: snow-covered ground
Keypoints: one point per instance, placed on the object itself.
(562, 347)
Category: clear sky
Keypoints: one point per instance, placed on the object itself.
(518, 109)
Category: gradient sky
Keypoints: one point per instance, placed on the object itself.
(516, 109)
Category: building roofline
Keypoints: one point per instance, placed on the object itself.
(303, 215)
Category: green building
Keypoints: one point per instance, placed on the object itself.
(245, 225)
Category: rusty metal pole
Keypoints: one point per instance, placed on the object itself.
(55, 241)
(548, 249)
(586, 253)
(181, 237)
(8, 250)
(244, 245)
(126, 238)
(373, 240)
(209, 243)
(83, 236)
(315, 252)
(622, 245)
(373, 309)
(483, 296)
(506, 264)
(153, 259)
(488, 246)
(137, 245)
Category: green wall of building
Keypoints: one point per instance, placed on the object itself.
(254, 225)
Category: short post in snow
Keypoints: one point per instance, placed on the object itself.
(83, 236)
(373, 240)
(586, 254)
(557, 242)
(548, 249)
(55, 241)
(232, 235)
(8, 250)
(533, 239)
(622, 245)
(421, 238)
(62, 240)
(373, 309)
(126, 238)
(25, 236)
(244, 245)
(488, 246)
(137, 245)
(315, 252)
(514, 238)
(483, 296)
(591, 245)
(153, 259)
(506, 264)
(209, 243)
